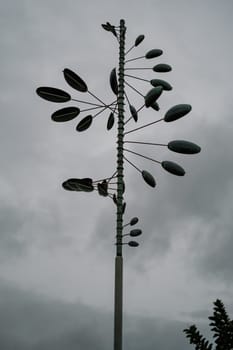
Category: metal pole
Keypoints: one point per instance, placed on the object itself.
(118, 302)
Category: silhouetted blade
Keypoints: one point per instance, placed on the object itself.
(113, 81)
(176, 112)
(148, 178)
(110, 28)
(52, 94)
(103, 188)
(111, 121)
(84, 184)
(133, 221)
(153, 95)
(155, 106)
(162, 68)
(74, 80)
(85, 123)
(123, 208)
(106, 27)
(139, 39)
(72, 184)
(65, 114)
(159, 82)
(133, 112)
(114, 198)
(123, 186)
(184, 147)
(136, 232)
(154, 53)
(133, 244)
(66, 185)
(173, 168)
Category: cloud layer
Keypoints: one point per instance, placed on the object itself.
(61, 245)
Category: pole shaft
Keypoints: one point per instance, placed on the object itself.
(118, 303)
(120, 138)
(118, 297)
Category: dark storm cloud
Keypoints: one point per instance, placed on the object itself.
(200, 202)
(11, 222)
(40, 39)
(29, 225)
(31, 321)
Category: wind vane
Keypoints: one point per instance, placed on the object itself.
(113, 186)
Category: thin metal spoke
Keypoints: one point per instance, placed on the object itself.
(106, 107)
(114, 104)
(95, 115)
(134, 59)
(143, 126)
(113, 176)
(90, 109)
(146, 143)
(127, 98)
(137, 68)
(133, 165)
(131, 48)
(141, 155)
(115, 107)
(101, 180)
(134, 89)
(98, 99)
(137, 112)
(88, 103)
(132, 76)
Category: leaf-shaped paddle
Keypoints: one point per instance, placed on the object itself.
(133, 112)
(153, 95)
(111, 121)
(162, 68)
(184, 147)
(133, 244)
(135, 232)
(74, 80)
(154, 53)
(85, 123)
(113, 81)
(173, 168)
(53, 94)
(177, 112)
(65, 114)
(84, 184)
(159, 82)
(133, 221)
(139, 39)
(148, 178)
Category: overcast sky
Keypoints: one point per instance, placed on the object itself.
(57, 247)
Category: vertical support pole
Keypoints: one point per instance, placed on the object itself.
(118, 303)
(118, 298)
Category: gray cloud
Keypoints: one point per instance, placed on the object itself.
(41, 222)
(202, 197)
(31, 321)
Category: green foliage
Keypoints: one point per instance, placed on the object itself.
(221, 326)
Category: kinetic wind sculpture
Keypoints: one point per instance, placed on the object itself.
(113, 186)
